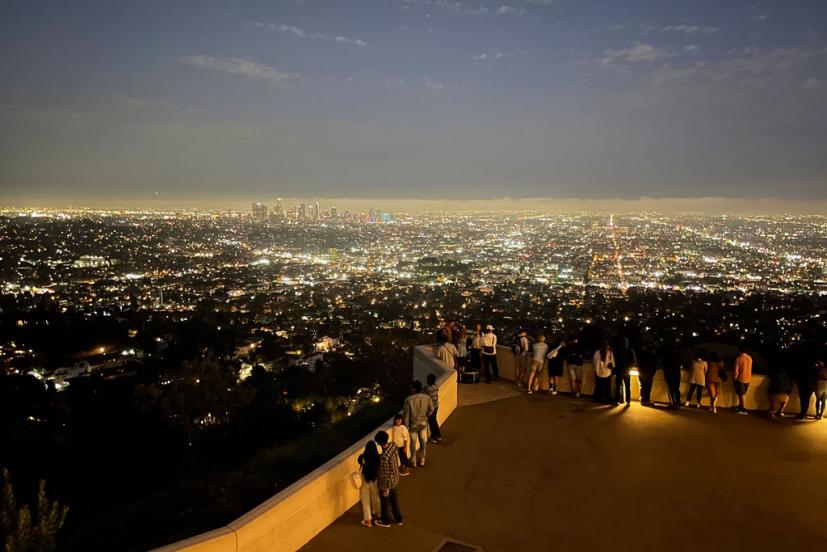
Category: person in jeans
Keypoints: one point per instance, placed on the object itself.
(697, 379)
(603, 362)
(574, 363)
(369, 491)
(387, 481)
(714, 381)
(743, 375)
(489, 355)
(821, 389)
(415, 412)
(432, 390)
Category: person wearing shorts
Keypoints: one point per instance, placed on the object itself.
(556, 359)
(574, 362)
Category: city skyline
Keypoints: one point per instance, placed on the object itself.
(467, 99)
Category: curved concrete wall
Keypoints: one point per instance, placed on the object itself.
(291, 518)
(756, 399)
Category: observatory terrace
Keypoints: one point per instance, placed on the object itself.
(531, 472)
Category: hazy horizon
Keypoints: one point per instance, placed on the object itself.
(711, 205)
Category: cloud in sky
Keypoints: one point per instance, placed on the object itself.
(301, 33)
(690, 29)
(634, 54)
(242, 67)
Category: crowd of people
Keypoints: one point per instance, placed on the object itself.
(615, 362)
(395, 451)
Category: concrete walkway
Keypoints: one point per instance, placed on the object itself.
(518, 472)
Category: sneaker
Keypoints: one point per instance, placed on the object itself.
(577, 395)
(743, 412)
(366, 523)
(382, 524)
(714, 410)
(422, 464)
(399, 524)
(554, 392)
(434, 441)
(404, 473)
(530, 392)
(697, 405)
(686, 404)
(551, 391)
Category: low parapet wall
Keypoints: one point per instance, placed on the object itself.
(290, 519)
(757, 397)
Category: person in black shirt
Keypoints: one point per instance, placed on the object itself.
(672, 374)
(574, 362)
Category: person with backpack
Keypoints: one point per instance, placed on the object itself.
(520, 349)
(489, 354)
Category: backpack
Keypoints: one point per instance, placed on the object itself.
(516, 345)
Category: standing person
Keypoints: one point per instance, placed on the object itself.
(432, 390)
(574, 363)
(415, 412)
(538, 355)
(697, 379)
(821, 389)
(604, 362)
(447, 353)
(521, 356)
(714, 380)
(556, 358)
(779, 390)
(743, 375)
(476, 348)
(672, 375)
(369, 491)
(387, 481)
(461, 345)
(807, 383)
(401, 438)
(646, 376)
(489, 354)
(625, 359)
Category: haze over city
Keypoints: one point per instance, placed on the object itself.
(210, 104)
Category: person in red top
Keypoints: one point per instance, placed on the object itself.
(743, 375)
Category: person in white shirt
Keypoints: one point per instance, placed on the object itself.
(604, 362)
(697, 378)
(489, 354)
(538, 358)
(401, 438)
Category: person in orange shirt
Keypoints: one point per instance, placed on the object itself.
(743, 375)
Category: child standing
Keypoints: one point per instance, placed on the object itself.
(399, 436)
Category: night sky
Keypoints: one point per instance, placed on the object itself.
(431, 99)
